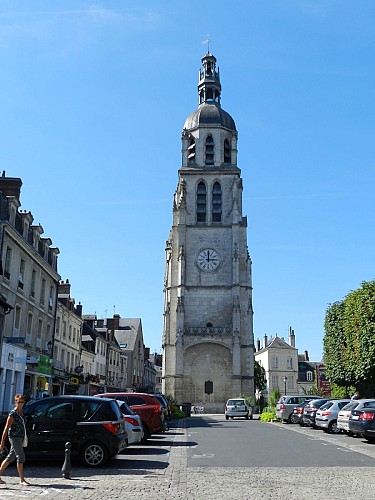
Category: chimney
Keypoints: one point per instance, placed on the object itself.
(292, 337)
(306, 355)
(79, 309)
(265, 340)
(64, 288)
(258, 345)
(116, 322)
(10, 186)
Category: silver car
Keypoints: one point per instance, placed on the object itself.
(238, 407)
(326, 416)
(133, 423)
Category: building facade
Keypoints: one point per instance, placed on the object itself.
(28, 281)
(208, 346)
(280, 362)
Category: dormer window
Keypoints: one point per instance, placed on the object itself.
(209, 150)
(216, 202)
(201, 202)
(227, 152)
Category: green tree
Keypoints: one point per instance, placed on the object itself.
(349, 341)
(260, 381)
(274, 397)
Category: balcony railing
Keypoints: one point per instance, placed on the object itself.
(208, 330)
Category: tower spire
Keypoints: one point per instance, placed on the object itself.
(209, 87)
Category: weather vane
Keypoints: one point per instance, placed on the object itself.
(207, 42)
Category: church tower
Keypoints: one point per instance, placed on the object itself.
(208, 337)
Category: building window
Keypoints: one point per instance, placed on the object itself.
(274, 362)
(50, 300)
(43, 292)
(17, 321)
(209, 150)
(57, 327)
(227, 152)
(275, 381)
(191, 150)
(21, 274)
(309, 376)
(8, 260)
(216, 202)
(33, 281)
(290, 383)
(290, 363)
(64, 329)
(201, 202)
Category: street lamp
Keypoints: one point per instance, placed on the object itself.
(285, 380)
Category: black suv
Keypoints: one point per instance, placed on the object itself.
(94, 427)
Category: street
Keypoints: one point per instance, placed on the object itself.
(206, 456)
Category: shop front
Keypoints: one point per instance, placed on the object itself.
(12, 374)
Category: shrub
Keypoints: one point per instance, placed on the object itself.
(267, 415)
(176, 412)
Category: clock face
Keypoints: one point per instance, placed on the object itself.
(208, 260)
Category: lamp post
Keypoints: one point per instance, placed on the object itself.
(285, 380)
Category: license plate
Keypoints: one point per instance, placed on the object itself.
(355, 417)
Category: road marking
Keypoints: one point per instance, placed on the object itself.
(205, 455)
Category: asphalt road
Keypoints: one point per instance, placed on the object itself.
(216, 442)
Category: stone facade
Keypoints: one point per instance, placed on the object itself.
(208, 316)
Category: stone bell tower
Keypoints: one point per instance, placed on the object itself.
(208, 338)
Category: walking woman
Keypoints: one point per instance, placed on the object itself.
(15, 428)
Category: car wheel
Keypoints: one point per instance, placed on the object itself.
(350, 433)
(370, 439)
(332, 428)
(146, 434)
(293, 419)
(94, 455)
(226, 417)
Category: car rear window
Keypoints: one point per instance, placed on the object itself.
(236, 402)
(109, 411)
(326, 405)
(135, 400)
(369, 404)
(350, 406)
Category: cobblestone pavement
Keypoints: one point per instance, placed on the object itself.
(175, 481)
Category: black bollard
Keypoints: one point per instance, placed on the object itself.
(66, 468)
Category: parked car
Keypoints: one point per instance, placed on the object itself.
(326, 416)
(309, 412)
(296, 416)
(361, 420)
(238, 407)
(95, 428)
(344, 414)
(144, 405)
(164, 405)
(286, 405)
(133, 423)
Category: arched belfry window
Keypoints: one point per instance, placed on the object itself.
(227, 152)
(201, 202)
(209, 150)
(191, 150)
(216, 202)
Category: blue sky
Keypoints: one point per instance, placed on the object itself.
(93, 97)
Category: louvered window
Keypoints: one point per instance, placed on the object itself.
(216, 202)
(227, 152)
(191, 150)
(209, 150)
(201, 202)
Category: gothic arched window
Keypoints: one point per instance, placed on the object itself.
(209, 150)
(227, 152)
(216, 202)
(191, 150)
(201, 202)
